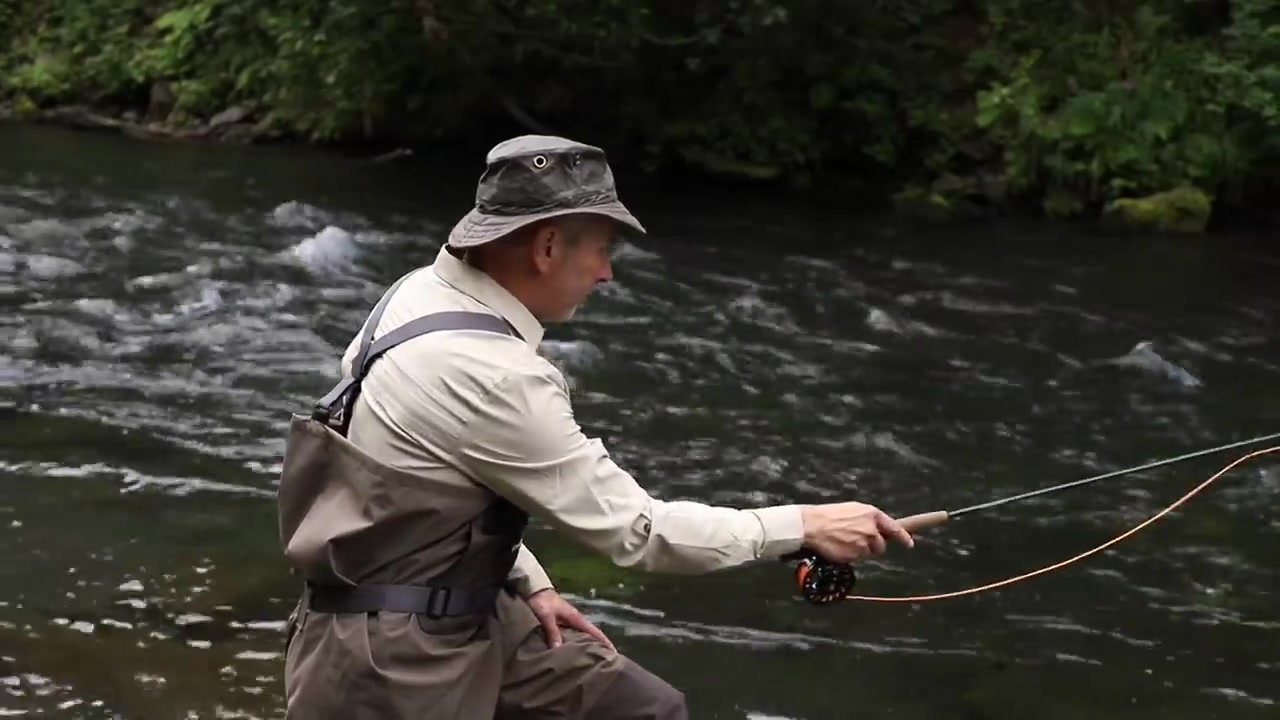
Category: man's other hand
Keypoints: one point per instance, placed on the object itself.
(555, 612)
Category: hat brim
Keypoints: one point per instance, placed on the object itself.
(477, 228)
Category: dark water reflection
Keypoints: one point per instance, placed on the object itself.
(166, 307)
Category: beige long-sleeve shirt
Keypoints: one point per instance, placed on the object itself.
(485, 410)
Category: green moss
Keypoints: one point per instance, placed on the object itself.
(923, 203)
(24, 107)
(594, 576)
(1180, 210)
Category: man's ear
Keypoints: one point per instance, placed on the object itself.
(544, 247)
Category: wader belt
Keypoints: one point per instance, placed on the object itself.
(335, 407)
(430, 601)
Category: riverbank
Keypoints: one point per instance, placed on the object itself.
(1183, 210)
(1161, 116)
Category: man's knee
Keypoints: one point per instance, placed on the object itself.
(637, 694)
(667, 703)
(670, 705)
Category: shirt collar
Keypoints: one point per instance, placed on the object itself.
(484, 289)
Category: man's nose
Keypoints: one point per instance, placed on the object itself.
(606, 272)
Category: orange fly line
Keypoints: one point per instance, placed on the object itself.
(1059, 565)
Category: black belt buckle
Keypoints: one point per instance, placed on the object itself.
(438, 602)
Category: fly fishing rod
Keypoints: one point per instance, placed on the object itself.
(822, 582)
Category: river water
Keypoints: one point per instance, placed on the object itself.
(166, 307)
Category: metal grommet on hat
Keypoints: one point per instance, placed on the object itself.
(539, 161)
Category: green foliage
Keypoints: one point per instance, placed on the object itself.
(1133, 106)
(8, 20)
(1063, 105)
(325, 71)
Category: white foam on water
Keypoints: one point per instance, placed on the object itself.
(330, 250)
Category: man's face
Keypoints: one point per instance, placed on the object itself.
(577, 265)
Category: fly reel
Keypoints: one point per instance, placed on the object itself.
(820, 581)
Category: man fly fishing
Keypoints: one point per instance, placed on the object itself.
(405, 493)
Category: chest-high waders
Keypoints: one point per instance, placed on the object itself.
(404, 612)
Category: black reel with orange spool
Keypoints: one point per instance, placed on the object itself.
(821, 581)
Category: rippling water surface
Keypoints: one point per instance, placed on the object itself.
(167, 307)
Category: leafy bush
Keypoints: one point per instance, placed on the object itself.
(1066, 105)
(1134, 106)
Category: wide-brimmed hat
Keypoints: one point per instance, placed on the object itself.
(534, 177)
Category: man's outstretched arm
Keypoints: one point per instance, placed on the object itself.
(524, 443)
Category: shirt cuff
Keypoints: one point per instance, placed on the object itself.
(783, 530)
(527, 576)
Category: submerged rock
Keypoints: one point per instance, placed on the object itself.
(1180, 210)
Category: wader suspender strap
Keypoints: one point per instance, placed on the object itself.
(434, 602)
(339, 401)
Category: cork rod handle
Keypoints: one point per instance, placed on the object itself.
(913, 523)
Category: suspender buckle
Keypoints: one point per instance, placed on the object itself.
(322, 414)
(438, 601)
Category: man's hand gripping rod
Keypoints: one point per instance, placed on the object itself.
(821, 581)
